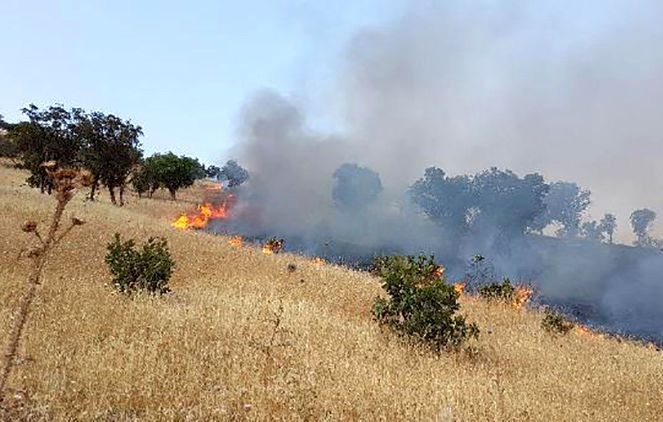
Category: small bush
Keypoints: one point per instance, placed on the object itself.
(420, 303)
(504, 291)
(132, 269)
(555, 323)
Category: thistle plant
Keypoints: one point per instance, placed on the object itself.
(66, 183)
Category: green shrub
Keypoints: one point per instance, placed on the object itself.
(420, 303)
(498, 291)
(148, 268)
(555, 323)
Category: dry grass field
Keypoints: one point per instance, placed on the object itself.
(212, 349)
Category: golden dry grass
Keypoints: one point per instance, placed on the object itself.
(202, 353)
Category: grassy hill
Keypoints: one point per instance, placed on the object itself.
(212, 350)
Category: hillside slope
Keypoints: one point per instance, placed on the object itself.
(202, 352)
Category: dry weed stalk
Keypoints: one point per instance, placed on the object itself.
(267, 347)
(66, 182)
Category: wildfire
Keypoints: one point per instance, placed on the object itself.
(584, 331)
(318, 262)
(236, 241)
(272, 246)
(267, 250)
(522, 295)
(201, 218)
(439, 271)
(459, 288)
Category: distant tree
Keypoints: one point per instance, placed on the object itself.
(608, 225)
(111, 149)
(506, 202)
(233, 173)
(641, 222)
(48, 135)
(565, 203)
(174, 173)
(592, 230)
(355, 186)
(445, 200)
(213, 172)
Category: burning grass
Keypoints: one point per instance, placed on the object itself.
(242, 338)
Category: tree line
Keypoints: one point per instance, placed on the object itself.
(106, 145)
(495, 201)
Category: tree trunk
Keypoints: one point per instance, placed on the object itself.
(111, 190)
(172, 194)
(121, 195)
(93, 191)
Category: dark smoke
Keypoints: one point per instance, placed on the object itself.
(565, 89)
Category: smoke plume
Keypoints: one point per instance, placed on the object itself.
(569, 90)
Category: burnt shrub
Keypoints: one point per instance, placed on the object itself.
(504, 291)
(555, 323)
(147, 268)
(420, 303)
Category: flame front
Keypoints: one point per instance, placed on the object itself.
(459, 288)
(584, 331)
(201, 218)
(272, 246)
(236, 241)
(523, 294)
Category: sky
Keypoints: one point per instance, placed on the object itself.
(181, 70)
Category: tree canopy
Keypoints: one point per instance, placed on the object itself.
(641, 222)
(110, 150)
(48, 135)
(355, 186)
(233, 173)
(173, 172)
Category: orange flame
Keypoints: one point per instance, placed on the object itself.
(201, 218)
(319, 262)
(439, 271)
(236, 241)
(272, 246)
(584, 331)
(267, 250)
(523, 294)
(460, 288)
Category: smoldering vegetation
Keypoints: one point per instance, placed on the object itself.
(436, 107)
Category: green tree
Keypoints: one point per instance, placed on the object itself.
(213, 172)
(445, 200)
(355, 186)
(143, 179)
(174, 173)
(233, 173)
(565, 204)
(608, 225)
(8, 147)
(111, 149)
(641, 222)
(420, 303)
(48, 135)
